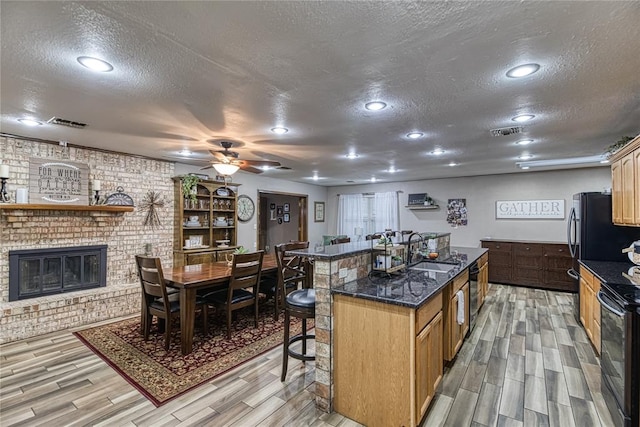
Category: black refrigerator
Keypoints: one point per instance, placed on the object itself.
(592, 236)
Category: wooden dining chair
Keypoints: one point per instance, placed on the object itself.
(338, 240)
(245, 274)
(158, 301)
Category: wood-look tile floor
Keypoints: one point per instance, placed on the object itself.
(527, 362)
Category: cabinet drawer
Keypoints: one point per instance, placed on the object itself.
(556, 251)
(497, 246)
(483, 259)
(201, 258)
(587, 276)
(459, 281)
(427, 312)
(525, 249)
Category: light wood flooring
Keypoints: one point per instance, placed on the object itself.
(526, 363)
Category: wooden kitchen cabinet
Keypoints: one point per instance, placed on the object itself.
(590, 306)
(541, 265)
(625, 184)
(388, 360)
(454, 333)
(483, 278)
(500, 257)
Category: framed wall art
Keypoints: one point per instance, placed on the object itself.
(318, 211)
(286, 207)
(286, 217)
(279, 211)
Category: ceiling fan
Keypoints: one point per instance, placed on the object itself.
(226, 160)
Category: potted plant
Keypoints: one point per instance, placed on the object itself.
(617, 146)
(189, 189)
(239, 250)
(396, 260)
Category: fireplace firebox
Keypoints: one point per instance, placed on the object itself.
(40, 272)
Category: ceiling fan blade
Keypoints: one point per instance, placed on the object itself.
(207, 167)
(220, 156)
(251, 169)
(261, 163)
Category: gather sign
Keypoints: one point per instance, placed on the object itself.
(530, 209)
(59, 182)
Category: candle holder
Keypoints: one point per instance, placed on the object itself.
(96, 198)
(4, 197)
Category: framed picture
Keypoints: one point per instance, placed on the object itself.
(286, 217)
(279, 211)
(279, 220)
(272, 206)
(318, 211)
(286, 207)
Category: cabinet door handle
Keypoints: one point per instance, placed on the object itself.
(528, 248)
(497, 246)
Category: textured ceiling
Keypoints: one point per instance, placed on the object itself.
(186, 73)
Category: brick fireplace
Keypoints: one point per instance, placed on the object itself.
(123, 233)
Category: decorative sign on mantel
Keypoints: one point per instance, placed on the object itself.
(58, 182)
(530, 209)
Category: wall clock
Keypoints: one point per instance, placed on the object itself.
(246, 208)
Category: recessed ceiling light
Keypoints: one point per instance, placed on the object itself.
(375, 106)
(524, 167)
(279, 130)
(392, 169)
(315, 177)
(95, 64)
(437, 151)
(453, 164)
(523, 70)
(524, 142)
(415, 135)
(351, 156)
(373, 179)
(30, 122)
(523, 118)
(525, 157)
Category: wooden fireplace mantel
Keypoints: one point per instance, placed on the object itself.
(52, 207)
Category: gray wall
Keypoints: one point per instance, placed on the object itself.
(481, 193)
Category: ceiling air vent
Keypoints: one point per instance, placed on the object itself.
(285, 168)
(506, 131)
(68, 123)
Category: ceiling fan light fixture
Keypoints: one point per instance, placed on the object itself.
(95, 64)
(375, 106)
(226, 168)
(438, 152)
(279, 130)
(351, 156)
(523, 70)
(524, 142)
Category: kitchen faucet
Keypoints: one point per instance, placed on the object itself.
(410, 251)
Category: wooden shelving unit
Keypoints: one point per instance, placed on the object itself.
(52, 207)
(423, 208)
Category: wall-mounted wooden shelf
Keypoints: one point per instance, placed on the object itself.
(423, 208)
(51, 207)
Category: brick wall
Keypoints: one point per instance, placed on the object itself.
(124, 233)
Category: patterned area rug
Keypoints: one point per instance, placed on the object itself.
(164, 375)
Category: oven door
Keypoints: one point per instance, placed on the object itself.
(613, 361)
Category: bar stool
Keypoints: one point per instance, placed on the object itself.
(300, 303)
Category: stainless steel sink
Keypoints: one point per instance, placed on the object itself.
(433, 267)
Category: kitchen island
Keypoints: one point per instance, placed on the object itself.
(394, 317)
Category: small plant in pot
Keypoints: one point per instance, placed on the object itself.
(239, 250)
(189, 183)
(396, 260)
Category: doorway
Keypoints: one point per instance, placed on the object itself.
(282, 217)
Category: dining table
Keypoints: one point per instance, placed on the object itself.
(188, 279)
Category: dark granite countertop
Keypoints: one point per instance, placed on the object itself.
(411, 288)
(334, 252)
(610, 273)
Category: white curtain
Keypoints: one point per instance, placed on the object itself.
(350, 214)
(385, 208)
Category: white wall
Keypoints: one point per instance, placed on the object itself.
(481, 193)
(251, 183)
